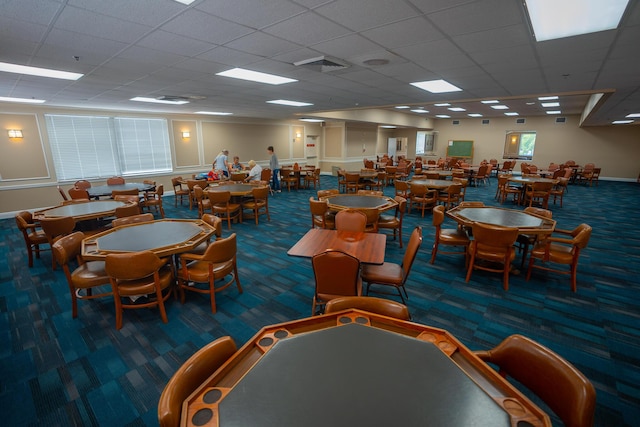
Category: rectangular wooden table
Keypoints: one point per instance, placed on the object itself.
(355, 368)
(369, 248)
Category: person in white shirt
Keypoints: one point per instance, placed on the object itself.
(255, 172)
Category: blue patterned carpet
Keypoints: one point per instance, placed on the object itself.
(59, 371)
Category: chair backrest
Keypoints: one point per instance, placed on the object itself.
(438, 217)
(189, 376)
(132, 266)
(493, 238)
(175, 182)
(557, 382)
(219, 198)
(371, 192)
(265, 175)
(381, 306)
(133, 219)
(132, 192)
(471, 204)
(57, 227)
(221, 250)
(373, 215)
(415, 241)
(328, 192)
(82, 183)
(482, 171)
(539, 211)
(77, 193)
(115, 180)
(351, 220)
(432, 175)
(542, 186)
(401, 187)
(581, 235)
(336, 273)
(260, 194)
(352, 177)
(127, 210)
(68, 248)
(215, 222)
(418, 190)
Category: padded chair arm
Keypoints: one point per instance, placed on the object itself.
(560, 231)
(484, 355)
(31, 226)
(190, 256)
(560, 240)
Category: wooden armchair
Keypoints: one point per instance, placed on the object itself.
(179, 192)
(320, 214)
(375, 305)
(558, 250)
(32, 234)
(494, 244)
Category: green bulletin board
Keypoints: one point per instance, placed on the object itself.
(460, 149)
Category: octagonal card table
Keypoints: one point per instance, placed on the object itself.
(338, 202)
(526, 223)
(106, 190)
(355, 368)
(83, 210)
(163, 237)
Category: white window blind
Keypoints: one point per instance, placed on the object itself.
(143, 145)
(90, 147)
(81, 147)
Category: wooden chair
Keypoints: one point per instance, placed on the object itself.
(32, 234)
(132, 219)
(353, 182)
(191, 183)
(481, 176)
(375, 305)
(394, 275)
(83, 184)
(179, 192)
(493, 244)
(371, 192)
(203, 201)
(402, 189)
(216, 263)
(342, 180)
(189, 376)
(422, 198)
(86, 277)
(525, 240)
(394, 222)
(351, 220)
(320, 214)
(464, 183)
(328, 192)
(135, 275)
(115, 180)
(336, 274)
(289, 178)
(450, 196)
(77, 193)
(63, 194)
(432, 175)
(558, 250)
(128, 210)
(448, 237)
(373, 215)
(55, 228)
(556, 381)
(391, 173)
(153, 200)
(221, 206)
(312, 177)
(129, 195)
(538, 192)
(259, 203)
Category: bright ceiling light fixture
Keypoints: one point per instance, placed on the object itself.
(499, 107)
(402, 107)
(547, 98)
(289, 103)
(554, 112)
(457, 109)
(40, 72)
(632, 115)
(552, 19)
(550, 104)
(420, 111)
(255, 76)
(441, 104)
(187, 2)
(22, 100)
(312, 120)
(387, 127)
(474, 115)
(622, 122)
(436, 86)
(158, 101)
(213, 113)
(511, 113)
(490, 101)
(443, 116)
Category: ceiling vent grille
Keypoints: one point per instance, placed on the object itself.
(561, 120)
(456, 122)
(485, 121)
(520, 121)
(324, 64)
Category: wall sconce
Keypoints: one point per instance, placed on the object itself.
(15, 133)
(298, 135)
(186, 135)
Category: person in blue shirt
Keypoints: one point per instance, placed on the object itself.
(221, 163)
(275, 169)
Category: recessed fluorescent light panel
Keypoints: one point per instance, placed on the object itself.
(547, 98)
(630, 116)
(442, 104)
(40, 72)
(553, 19)
(622, 122)
(289, 103)
(436, 86)
(214, 113)
(312, 120)
(158, 101)
(550, 104)
(499, 107)
(490, 101)
(402, 107)
(457, 109)
(443, 116)
(512, 113)
(388, 127)
(255, 76)
(187, 2)
(554, 112)
(474, 115)
(420, 111)
(23, 100)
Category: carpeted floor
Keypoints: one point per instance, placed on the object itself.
(59, 371)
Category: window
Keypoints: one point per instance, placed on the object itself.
(86, 147)
(425, 142)
(519, 145)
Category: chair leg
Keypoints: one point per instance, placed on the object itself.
(160, 299)
(434, 251)
(212, 294)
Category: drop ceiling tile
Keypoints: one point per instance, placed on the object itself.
(262, 44)
(147, 12)
(352, 15)
(497, 38)
(316, 29)
(205, 27)
(246, 13)
(403, 33)
(175, 43)
(478, 16)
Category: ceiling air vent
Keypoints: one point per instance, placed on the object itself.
(456, 122)
(561, 119)
(485, 121)
(324, 64)
(520, 121)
